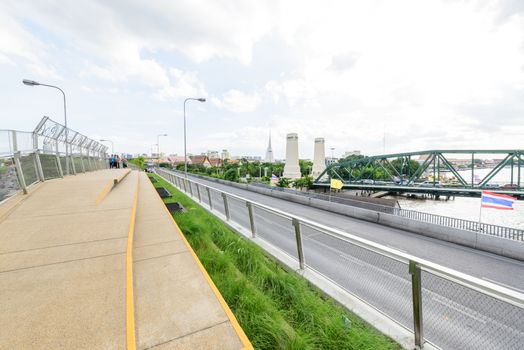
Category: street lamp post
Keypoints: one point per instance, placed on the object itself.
(34, 83)
(112, 145)
(185, 144)
(158, 146)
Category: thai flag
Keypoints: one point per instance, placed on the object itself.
(496, 201)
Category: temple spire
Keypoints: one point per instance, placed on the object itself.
(269, 151)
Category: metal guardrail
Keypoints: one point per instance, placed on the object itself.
(462, 224)
(460, 311)
(447, 221)
(50, 151)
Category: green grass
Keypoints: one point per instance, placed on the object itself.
(277, 309)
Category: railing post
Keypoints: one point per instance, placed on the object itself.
(209, 196)
(190, 189)
(300, 249)
(416, 287)
(198, 191)
(38, 166)
(19, 172)
(185, 186)
(82, 160)
(251, 219)
(226, 206)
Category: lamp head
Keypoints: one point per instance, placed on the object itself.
(201, 99)
(30, 82)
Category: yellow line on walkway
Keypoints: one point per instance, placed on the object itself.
(240, 332)
(130, 302)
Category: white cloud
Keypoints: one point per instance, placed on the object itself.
(353, 68)
(238, 101)
(186, 84)
(295, 91)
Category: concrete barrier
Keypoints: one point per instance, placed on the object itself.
(492, 244)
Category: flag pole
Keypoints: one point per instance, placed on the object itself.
(480, 211)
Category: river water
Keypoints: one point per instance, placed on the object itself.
(469, 208)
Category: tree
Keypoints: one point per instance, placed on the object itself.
(138, 161)
(284, 182)
(305, 166)
(231, 175)
(303, 182)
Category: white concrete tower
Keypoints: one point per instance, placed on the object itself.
(319, 158)
(292, 169)
(269, 151)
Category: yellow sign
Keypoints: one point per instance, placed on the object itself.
(336, 184)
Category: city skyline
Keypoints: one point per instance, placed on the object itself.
(425, 76)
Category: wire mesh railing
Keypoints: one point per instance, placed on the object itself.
(447, 221)
(462, 224)
(50, 151)
(441, 306)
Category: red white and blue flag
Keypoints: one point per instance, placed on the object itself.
(497, 201)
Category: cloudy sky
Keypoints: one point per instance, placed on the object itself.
(427, 74)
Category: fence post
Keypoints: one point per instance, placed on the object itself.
(300, 249)
(416, 287)
(226, 206)
(198, 191)
(185, 186)
(209, 196)
(19, 172)
(82, 159)
(190, 188)
(72, 160)
(38, 166)
(251, 219)
(57, 154)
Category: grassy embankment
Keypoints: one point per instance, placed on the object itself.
(277, 309)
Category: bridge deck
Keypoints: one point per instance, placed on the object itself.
(63, 271)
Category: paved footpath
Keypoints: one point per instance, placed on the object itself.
(63, 271)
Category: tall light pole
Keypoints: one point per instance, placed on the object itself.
(185, 144)
(112, 145)
(158, 145)
(34, 83)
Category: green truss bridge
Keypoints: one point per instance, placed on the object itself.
(437, 172)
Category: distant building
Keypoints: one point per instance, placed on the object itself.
(269, 152)
(201, 160)
(248, 158)
(176, 160)
(350, 153)
(225, 154)
(216, 162)
(212, 154)
(330, 161)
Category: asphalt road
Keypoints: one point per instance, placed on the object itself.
(454, 317)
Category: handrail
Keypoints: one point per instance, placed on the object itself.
(492, 289)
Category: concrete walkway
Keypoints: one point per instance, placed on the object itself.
(63, 272)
